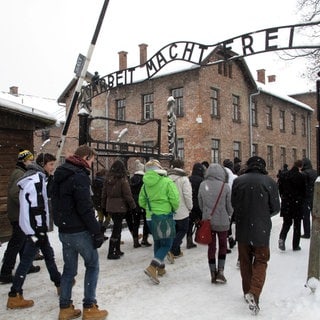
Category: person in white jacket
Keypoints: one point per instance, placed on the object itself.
(181, 217)
(34, 221)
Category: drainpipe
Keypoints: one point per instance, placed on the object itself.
(250, 119)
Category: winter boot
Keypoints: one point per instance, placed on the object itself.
(94, 313)
(16, 301)
(213, 272)
(170, 257)
(190, 243)
(112, 255)
(161, 270)
(152, 271)
(220, 278)
(136, 243)
(6, 278)
(145, 242)
(117, 248)
(69, 313)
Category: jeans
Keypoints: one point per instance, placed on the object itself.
(181, 230)
(253, 267)
(15, 246)
(160, 247)
(30, 250)
(212, 247)
(74, 244)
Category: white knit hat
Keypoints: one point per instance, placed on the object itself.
(155, 166)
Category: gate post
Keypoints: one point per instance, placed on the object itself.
(83, 115)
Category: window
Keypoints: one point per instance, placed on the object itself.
(282, 121)
(180, 148)
(225, 69)
(254, 116)
(237, 149)
(269, 117)
(294, 154)
(236, 108)
(215, 151)
(147, 146)
(178, 96)
(303, 126)
(270, 157)
(214, 103)
(293, 123)
(283, 156)
(254, 149)
(148, 112)
(121, 109)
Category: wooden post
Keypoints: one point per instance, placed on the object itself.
(314, 252)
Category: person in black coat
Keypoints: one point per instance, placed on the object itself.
(255, 199)
(310, 176)
(292, 190)
(195, 215)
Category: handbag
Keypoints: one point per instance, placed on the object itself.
(162, 225)
(203, 231)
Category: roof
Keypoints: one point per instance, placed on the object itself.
(271, 90)
(37, 106)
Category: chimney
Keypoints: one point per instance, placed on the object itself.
(122, 60)
(272, 78)
(14, 90)
(261, 74)
(143, 53)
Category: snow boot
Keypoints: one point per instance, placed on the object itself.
(16, 301)
(190, 243)
(69, 313)
(112, 255)
(170, 257)
(161, 270)
(136, 243)
(213, 272)
(94, 313)
(220, 278)
(152, 272)
(117, 248)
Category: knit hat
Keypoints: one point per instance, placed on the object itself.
(139, 166)
(257, 163)
(155, 165)
(25, 155)
(228, 164)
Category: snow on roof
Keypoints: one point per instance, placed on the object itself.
(270, 89)
(39, 106)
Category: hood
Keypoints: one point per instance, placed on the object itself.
(198, 170)
(177, 172)
(216, 171)
(32, 169)
(65, 171)
(151, 178)
(306, 164)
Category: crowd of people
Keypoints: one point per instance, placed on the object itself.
(166, 203)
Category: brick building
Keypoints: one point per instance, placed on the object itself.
(213, 103)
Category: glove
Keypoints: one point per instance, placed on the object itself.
(42, 239)
(98, 240)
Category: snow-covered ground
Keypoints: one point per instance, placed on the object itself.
(185, 292)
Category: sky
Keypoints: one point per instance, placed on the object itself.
(42, 39)
(185, 292)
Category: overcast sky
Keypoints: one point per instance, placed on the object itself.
(41, 39)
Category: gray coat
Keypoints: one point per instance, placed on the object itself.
(208, 193)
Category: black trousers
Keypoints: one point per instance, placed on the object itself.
(287, 223)
(15, 245)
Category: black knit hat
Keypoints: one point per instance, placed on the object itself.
(256, 163)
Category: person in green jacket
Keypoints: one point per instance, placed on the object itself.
(159, 196)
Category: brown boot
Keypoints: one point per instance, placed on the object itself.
(69, 313)
(152, 273)
(94, 313)
(161, 271)
(18, 302)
